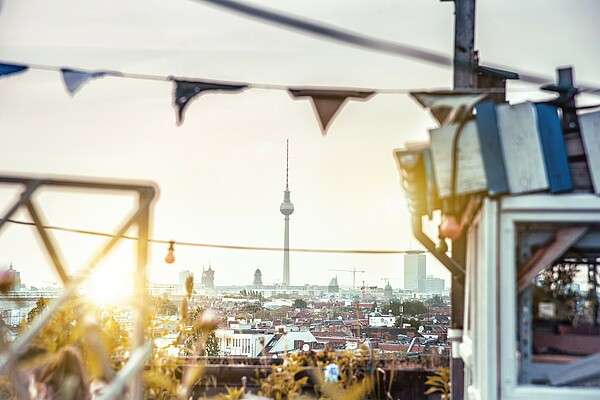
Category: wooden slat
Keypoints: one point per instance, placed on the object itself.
(470, 173)
(554, 149)
(491, 149)
(586, 367)
(521, 147)
(589, 125)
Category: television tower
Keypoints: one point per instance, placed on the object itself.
(286, 208)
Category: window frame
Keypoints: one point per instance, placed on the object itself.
(567, 208)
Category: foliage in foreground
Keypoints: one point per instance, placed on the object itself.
(287, 381)
(439, 383)
(324, 375)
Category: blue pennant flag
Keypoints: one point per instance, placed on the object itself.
(75, 79)
(9, 69)
(186, 91)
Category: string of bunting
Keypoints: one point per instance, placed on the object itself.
(326, 102)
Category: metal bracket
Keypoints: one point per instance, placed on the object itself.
(141, 218)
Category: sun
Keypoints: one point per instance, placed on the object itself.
(109, 285)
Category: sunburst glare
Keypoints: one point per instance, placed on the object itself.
(109, 285)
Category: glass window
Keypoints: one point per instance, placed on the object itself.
(558, 332)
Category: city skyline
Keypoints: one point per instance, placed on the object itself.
(271, 278)
(220, 172)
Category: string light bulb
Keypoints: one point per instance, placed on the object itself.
(450, 227)
(170, 257)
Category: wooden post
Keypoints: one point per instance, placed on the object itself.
(464, 43)
(464, 78)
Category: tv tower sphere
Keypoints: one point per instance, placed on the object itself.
(286, 208)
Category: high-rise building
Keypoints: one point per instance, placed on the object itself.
(415, 271)
(286, 208)
(434, 285)
(183, 276)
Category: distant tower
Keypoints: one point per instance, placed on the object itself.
(286, 208)
(415, 271)
(257, 279)
(208, 278)
(17, 278)
(388, 291)
(333, 286)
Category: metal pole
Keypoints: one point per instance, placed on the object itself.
(464, 44)
(464, 78)
(139, 337)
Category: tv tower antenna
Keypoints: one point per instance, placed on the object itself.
(286, 208)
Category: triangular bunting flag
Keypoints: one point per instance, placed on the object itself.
(9, 69)
(328, 102)
(448, 106)
(74, 79)
(186, 91)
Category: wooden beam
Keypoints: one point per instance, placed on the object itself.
(585, 368)
(547, 254)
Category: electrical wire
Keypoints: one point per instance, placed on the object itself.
(219, 246)
(334, 33)
(356, 39)
(338, 34)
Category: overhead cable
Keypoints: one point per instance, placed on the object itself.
(219, 246)
(356, 39)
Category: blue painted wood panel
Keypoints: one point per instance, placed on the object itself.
(554, 149)
(491, 149)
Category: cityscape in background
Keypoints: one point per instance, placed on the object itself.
(270, 315)
(418, 285)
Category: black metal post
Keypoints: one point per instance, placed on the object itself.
(464, 78)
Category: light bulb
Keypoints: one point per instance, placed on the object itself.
(450, 227)
(170, 257)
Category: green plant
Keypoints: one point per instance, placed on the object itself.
(282, 382)
(356, 391)
(287, 381)
(233, 394)
(439, 383)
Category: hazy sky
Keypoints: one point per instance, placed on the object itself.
(222, 174)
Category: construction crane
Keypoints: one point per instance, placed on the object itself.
(354, 271)
(387, 280)
(363, 288)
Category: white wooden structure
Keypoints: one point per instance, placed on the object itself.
(522, 235)
(509, 241)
